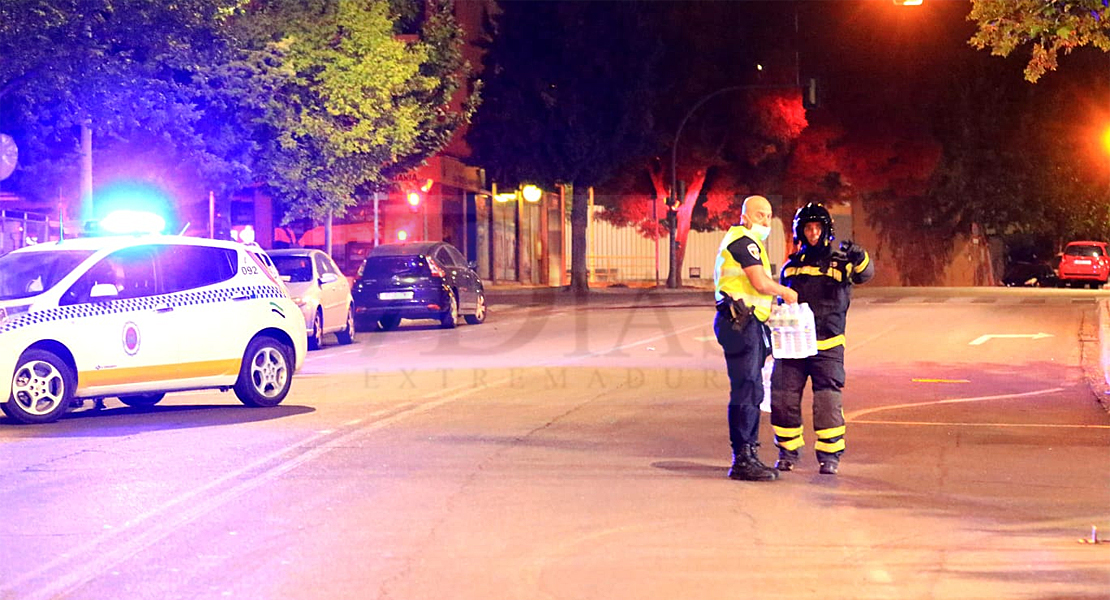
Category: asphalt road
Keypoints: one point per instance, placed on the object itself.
(566, 450)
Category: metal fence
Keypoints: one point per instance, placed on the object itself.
(622, 255)
(19, 228)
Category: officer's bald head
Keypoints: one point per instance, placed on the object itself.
(756, 211)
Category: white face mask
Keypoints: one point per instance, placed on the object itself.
(761, 230)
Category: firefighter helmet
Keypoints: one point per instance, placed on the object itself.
(813, 213)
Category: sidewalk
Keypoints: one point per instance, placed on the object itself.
(612, 295)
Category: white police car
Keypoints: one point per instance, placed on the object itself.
(138, 316)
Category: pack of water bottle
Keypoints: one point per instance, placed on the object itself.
(793, 332)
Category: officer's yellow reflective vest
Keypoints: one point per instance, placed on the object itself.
(729, 277)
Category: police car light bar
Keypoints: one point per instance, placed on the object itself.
(123, 222)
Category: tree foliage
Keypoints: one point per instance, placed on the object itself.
(568, 86)
(351, 102)
(319, 100)
(738, 123)
(1048, 27)
(122, 65)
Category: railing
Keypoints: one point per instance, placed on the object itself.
(19, 228)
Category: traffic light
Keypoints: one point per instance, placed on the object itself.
(414, 199)
(809, 93)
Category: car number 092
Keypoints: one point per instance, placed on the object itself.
(249, 270)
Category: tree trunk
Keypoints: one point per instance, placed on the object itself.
(682, 222)
(579, 278)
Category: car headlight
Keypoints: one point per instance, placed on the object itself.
(11, 312)
(300, 302)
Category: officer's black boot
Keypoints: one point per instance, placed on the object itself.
(746, 466)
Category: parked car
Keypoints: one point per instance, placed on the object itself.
(320, 290)
(1084, 262)
(1029, 273)
(419, 280)
(135, 317)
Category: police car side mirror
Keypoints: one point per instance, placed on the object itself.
(103, 290)
(328, 278)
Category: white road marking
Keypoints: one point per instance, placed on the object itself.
(117, 545)
(870, 411)
(964, 424)
(986, 338)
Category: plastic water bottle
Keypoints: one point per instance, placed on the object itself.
(790, 335)
(809, 331)
(775, 323)
(768, 366)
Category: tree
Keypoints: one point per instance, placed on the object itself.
(345, 103)
(738, 123)
(567, 91)
(317, 99)
(1049, 26)
(122, 66)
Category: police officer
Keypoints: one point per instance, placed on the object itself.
(744, 289)
(823, 278)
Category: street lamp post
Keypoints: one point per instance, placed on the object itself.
(672, 277)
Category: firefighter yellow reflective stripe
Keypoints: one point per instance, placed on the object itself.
(787, 432)
(831, 448)
(831, 432)
(793, 444)
(814, 272)
(863, 264)
(832, 342)
(120, 376)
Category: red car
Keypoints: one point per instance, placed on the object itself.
(1084, 263)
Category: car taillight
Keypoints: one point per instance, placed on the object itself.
(435, 269)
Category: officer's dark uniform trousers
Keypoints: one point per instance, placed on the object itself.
(745, 353)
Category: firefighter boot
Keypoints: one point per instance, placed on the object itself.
(787, 460)
(746, 466)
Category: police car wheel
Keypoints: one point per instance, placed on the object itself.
(141, 400)
(347, 334)
(479, 315)
(42, 388)
(266, 373)
(316, 336)
(450, 318)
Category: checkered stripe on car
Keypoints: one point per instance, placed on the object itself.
(126, 305)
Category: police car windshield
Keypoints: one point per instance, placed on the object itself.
(26, 274)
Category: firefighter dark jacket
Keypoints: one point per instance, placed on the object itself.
(824, 280)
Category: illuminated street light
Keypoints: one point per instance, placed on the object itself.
(908, 2)
(531, 193)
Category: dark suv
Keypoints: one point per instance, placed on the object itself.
(419, 280)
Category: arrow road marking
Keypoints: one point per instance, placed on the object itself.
(986, 338)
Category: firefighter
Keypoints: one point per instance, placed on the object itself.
(744, 289)
(823, 276)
